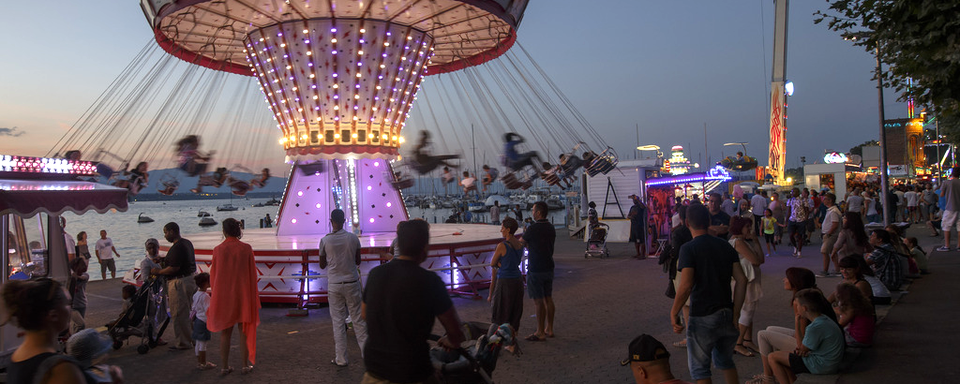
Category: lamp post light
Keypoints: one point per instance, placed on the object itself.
(854, 36)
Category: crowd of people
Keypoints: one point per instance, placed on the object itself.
(711, 245)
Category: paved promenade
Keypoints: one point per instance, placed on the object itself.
(601, 305)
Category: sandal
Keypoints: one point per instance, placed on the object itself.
(761, 379)
(680, 344)
(246, 370)
(534, 337)
(206, 366)
(226, 371)
(743, 351)
(751, 346)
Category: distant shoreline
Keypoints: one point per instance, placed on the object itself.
(205, 196)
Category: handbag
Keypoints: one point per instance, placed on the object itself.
(671, 291)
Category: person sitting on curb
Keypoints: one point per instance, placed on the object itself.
(885, 261)
(856, 315)
(776, 338)
(649, 361)
(821, 348)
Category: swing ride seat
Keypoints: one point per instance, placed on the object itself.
(403, 183)
(511, 182)
(571, 165)
(168, 191)
(551, 178)
(603, 163)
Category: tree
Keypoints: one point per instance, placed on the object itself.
(918, 40)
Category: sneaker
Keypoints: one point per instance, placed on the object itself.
(823, 274)
(944, 249)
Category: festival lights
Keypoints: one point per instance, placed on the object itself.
(717, 173)
(380, 96)
(26, 164)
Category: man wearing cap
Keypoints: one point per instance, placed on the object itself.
(649, 361)
(340, 250)
(638, 232)
(706, 266)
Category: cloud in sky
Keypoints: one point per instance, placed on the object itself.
(12, 132)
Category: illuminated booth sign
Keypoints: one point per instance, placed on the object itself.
(835, 158)
(718, 173)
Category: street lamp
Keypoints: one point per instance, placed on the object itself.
(854, 36)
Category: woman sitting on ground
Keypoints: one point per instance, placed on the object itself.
(820, 350)
(852, 240)
(776, 338)
(853, 274)
(918, 254)
(856, 315)
(744, 240)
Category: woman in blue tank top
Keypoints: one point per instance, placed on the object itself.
(506, 285)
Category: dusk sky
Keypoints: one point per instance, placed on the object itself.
(670, 67)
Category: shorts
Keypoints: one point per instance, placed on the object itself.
(200, 331)
(769, 237)
(797, 365)
(110, 264)
(949, 220)
(540, 284)
(711, 337)
(828, 241)
(637, 235)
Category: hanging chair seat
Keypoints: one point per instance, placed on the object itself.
(402, 183)
(572, 164)
(551, 178)
(603, 163)
(511, 182)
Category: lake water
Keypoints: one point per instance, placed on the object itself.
(128, 235)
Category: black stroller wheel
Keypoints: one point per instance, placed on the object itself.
(143, 349)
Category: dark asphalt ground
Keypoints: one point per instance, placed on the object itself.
(601, 305)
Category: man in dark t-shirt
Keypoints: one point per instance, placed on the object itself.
(638, 226)
(181, 265)
(400, 303)
(539, 239)
(706, 265)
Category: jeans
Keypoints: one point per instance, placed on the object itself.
(341, 299)
(709, 336)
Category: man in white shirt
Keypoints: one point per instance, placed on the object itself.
(830, 230)
(104, 256)
(913, 200)
(758, 204)
(495, 212)
(855, 202)
(902, 208)
(340, 250)
(950, 190)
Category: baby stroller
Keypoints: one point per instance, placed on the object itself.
(146, 318)
(475, 361)
(597, 244)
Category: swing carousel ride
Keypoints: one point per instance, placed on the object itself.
(339, 80)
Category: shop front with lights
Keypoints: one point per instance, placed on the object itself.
(662, 193)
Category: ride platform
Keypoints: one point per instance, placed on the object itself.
(289, 268)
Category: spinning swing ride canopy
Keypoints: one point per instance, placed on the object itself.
(339, 76)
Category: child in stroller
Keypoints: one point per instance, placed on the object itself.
(145, 317)
(475, 361)
(597, 244)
